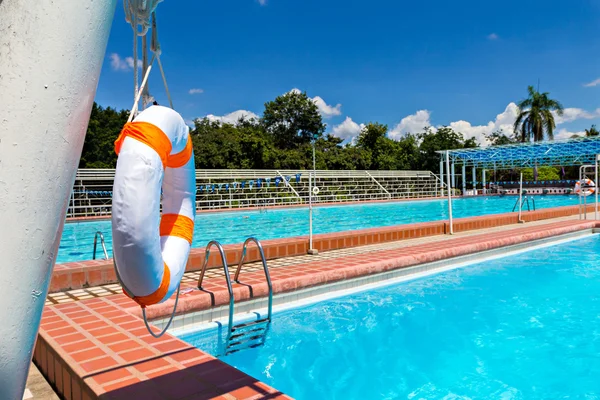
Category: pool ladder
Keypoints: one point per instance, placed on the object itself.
(102, 243)
(524, 201)
(250, 334)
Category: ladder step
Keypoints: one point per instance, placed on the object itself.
(249, 324)
(248, 332)
(245, 340)
(252, 346)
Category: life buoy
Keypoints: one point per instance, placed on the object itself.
(150, 252)
(588, 187)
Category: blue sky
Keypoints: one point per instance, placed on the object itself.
(405, 64)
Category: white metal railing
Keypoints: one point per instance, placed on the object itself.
(229, 188)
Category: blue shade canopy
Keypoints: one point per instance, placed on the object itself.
(570, 152)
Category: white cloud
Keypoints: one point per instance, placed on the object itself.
(347, 129)
(234, 117)
(196, 91)
(414, 123)
(592, 83)
(122, 64)
(493, 36)
(129, 61)
(262, 2)
(572, 114)
(418, 121)
(325, 109)
(117, 63)
(566, 134)
(504, 121)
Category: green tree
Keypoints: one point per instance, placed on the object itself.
(544, 174)
(535, 120)
(592, 131)
(371, 134)
(221, 145)
(407, 155)
(498, 138)
(444, 138)
(103, 129)
(293, 119)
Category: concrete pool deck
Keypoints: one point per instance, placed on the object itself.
(93, 344)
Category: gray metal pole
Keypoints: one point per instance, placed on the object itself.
(449, 191)
(584, 196)
(580, 193)
(596, 190)
(520, 196)
(311, 176)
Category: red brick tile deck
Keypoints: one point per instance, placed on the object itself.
(78, 275)
(99, 348)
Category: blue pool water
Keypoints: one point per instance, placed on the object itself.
(235, 227)
(522, 327)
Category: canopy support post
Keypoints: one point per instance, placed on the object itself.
(442, 176)
(453, 177)
(474, 181)
(464, 180)
(483, 182)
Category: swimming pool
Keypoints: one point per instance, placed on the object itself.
(235, 227)
(525, 326)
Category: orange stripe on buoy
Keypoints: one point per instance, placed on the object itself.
(158, 295)
(177, 225)
(180, 159)
(150, 135)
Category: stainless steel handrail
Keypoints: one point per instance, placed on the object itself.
(102, 243)
(227, 278)
(265, 268)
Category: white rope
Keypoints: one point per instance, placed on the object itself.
(146, 98)
(141, 15)
(140, 90)
(135, 69)
(138, 13)
(162, 72)
(155, 47)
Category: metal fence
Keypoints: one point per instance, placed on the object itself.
(230, 188)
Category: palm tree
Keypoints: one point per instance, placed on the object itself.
(592, 131)
(535, 119)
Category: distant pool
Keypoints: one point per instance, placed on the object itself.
(522, 327)
(235, 227)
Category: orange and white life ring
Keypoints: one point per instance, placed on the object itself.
(588, 187)
(154, 152)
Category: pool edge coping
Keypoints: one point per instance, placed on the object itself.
(82, 274)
